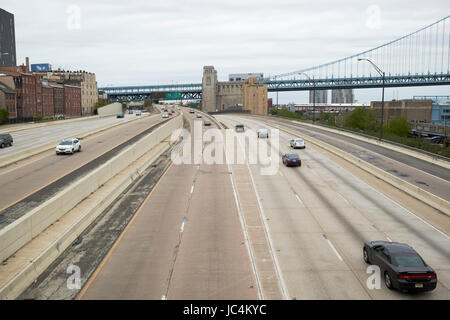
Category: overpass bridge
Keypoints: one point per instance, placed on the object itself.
(420, 58)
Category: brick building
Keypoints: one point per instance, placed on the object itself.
(8, 100)
(48, 106)
(255, 96)
(72, 101)
(416, 111)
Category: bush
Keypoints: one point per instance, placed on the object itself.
(398, 126)
(4, 114)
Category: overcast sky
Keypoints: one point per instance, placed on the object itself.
(139, 42)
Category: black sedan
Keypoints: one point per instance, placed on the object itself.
(291, 159)
(401, 266)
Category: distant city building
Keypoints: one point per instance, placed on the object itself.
(414, 110)
(321, 96)
(255, 96)
(244, 76)
(85, 80)
(329, 107)
(7, 39)
(342, 96)
(219, 95)
(440, 108)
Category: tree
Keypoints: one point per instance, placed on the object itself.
(4, 114)
(398, 126)
(361, 119)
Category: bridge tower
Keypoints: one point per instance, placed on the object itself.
(209, 89)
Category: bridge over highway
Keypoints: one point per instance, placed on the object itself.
(420, 58)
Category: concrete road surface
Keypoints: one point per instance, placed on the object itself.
(18, 181)
(185, 242)
(320, 214)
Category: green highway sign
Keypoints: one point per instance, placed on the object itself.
(173, 95)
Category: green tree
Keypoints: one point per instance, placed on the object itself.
(398, 126)
(361, 119)
(4, 114)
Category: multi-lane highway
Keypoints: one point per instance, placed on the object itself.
(226, 231)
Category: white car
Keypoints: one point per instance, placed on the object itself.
(199, 115)
(297, 143)
(263, 133)
(68, 146)
(165, 115)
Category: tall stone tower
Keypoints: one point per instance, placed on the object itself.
(209, 89)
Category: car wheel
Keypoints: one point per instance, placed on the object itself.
(366, 256)
(388, 281)
(73, 151)
(2, 145)
(10, 144)
(79, 149)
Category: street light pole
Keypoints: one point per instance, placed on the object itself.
(382, 74)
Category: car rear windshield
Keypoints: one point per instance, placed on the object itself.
(408, 260)
(292, 156)
(65, 143)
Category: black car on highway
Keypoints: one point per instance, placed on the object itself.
(5, 140)
(291, 159)
(401, 266)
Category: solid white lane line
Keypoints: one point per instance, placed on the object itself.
(192, 189)
(182, 227)
(334, 249)
(298, 198)
(389, 239)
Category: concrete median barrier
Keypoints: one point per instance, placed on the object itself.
(414, 191)
(21, 231)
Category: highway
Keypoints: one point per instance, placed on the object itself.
(185, 242)
(318, 217)
(430, 177)
(21, 181)
(226, 231)
(35, 137)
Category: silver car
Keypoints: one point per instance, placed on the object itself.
(68, 146)
(297, 143)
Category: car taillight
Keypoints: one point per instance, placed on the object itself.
(423, 276)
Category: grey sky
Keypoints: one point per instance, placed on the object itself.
(150, 42)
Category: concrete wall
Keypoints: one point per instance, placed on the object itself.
(229, 94)
(27, 227)
(418, 110)
(209, 89)
(110, 110)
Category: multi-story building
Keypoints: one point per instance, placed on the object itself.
(72, 101)
(8, 98)
(244, 76)
(255, 96)
(342, 96)
(219, 95)
(58, 99)
(7, 39)
(48, 106)
(414, 110)
(321, 96)
(86, 80)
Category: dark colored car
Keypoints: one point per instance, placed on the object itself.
(5, 140)
(401, 266)
(239, 127)
(291, 159)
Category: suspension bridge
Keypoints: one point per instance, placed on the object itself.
(421, 58)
